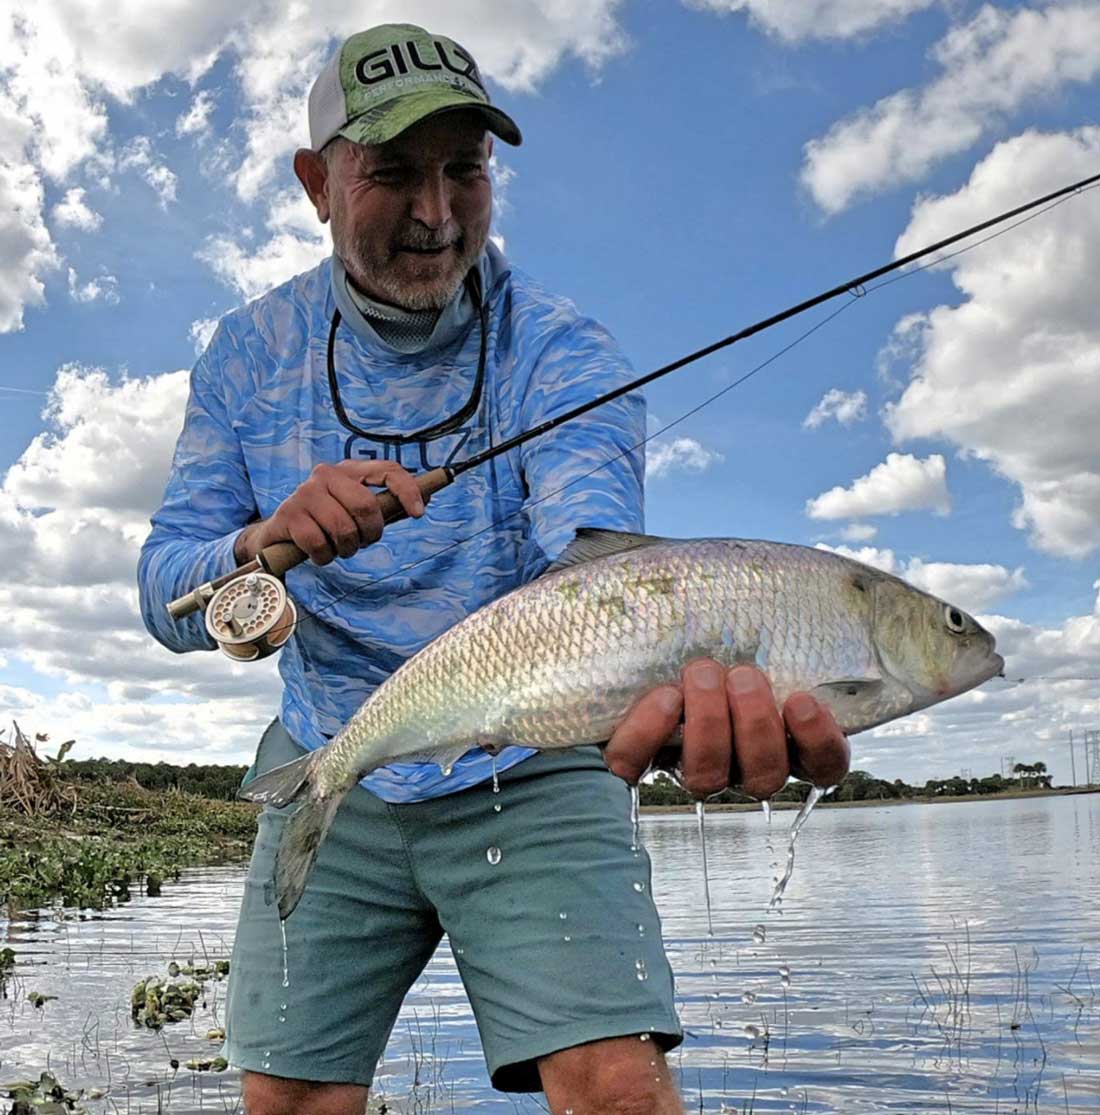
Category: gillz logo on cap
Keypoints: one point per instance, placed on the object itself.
(389, 62)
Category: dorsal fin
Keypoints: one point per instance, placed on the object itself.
(594, 542)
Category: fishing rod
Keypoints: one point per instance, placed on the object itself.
(248, 611)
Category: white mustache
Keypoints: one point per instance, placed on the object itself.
(427, 241)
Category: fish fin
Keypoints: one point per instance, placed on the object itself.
(281, 785)
(302, 838)
(846, 693)
(443, 757)
(595, 542)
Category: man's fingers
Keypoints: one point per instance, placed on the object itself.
(644, 728)
(759, 737)
(707, 754)
(361, 504)
(405, 488)
(819, 749)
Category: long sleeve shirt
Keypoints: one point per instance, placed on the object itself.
(260, 416)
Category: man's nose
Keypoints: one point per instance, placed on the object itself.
(431, 204)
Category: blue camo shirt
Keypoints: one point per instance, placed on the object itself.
(260, 417)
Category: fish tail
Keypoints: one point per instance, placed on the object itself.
(302, 838)
(306, 828)
(282, 784)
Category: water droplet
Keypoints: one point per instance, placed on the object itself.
(569, 1111)
(748, 996)
(496, 777)
(640, 967)
(766, 808)
(282, 1017)
(496, 807)
(286, 965)
(718, 1023)
(645, 1037)
(641, 930)
(785, 976)
(639, 887)
(759, 934)
(493, 855)
(460, 952)
(752, 1031)
(700, 813)
(563, 915)
(567, 937)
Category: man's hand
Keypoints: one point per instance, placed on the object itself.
(734, 733)
(333, 514)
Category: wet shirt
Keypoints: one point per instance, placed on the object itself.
(260, 417)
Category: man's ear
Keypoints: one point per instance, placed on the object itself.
(312, 172)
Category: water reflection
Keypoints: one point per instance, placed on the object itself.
(940, 958)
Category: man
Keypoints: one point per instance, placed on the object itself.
(414, 345)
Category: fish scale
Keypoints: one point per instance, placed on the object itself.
(559, 661)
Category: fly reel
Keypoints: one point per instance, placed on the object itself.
(251, 617)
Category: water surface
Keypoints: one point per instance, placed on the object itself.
(926, 958)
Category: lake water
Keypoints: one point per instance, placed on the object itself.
(928, 958)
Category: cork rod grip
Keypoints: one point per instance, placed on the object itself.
(281, 556)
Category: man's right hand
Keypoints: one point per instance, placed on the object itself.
(334, 513)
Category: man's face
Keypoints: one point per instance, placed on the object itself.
(411, 217)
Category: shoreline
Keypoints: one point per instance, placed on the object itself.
(777, 806)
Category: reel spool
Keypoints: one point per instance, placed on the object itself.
(251, 617)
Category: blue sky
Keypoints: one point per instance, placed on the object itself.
(688, 168)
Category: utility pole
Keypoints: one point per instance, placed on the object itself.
(1092, 757)
(1072, 763)
(1007, 763)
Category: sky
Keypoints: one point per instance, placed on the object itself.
(689, 167)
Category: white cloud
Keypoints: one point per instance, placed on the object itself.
(844, 407)
(27, 253)
(201, 331)
(901, 483)
(138, 155)
(102, 288)
(196, 120)
(131, 423)
(1010, 375)
(682, 454)
(818, 19)
(298, 242)
(993, 65)
(859, 532)
(74, 509)
(72, 211)
(973, 587)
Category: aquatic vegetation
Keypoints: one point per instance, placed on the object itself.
(84, 844)
(44, 1096)
(158, 1000)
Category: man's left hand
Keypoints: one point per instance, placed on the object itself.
(734, 733)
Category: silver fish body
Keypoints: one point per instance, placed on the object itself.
(558, 662)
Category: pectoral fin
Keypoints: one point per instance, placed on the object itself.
(848, 698)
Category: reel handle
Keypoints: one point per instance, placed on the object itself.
(281, 556)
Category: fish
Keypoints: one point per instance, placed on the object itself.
(559, 661)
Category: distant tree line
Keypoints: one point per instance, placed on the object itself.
(858, 785)
(206, 780)
(221, 783)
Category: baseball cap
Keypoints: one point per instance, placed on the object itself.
(384, 80)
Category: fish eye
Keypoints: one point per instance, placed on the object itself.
(955, 620)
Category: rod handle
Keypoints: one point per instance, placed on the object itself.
(281, 556)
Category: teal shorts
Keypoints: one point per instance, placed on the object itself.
(390, 880)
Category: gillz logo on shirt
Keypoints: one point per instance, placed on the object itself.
(412, 456)
(391, 61)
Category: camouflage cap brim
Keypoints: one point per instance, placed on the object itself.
(383, 122)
